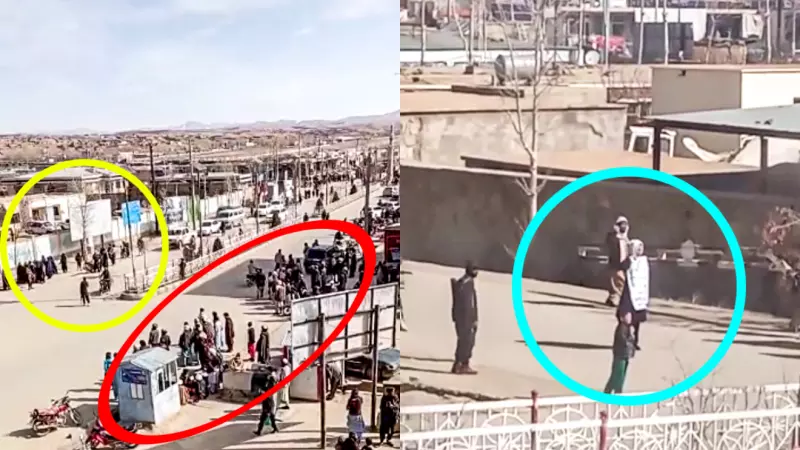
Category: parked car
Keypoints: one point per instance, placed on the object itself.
(209, 227)
(230, 217)
(179, 236)
(40, 227)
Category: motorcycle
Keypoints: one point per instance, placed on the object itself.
(99, 438)
(250, 279)
(57, 415)
(105, 285)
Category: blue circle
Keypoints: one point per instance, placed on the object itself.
(738, 264)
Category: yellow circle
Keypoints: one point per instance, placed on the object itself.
(162, 264)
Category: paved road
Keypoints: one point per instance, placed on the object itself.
(151, 257)
(46, 362)
(575, 330)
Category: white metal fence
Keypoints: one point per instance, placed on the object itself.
(517, 412)
(143, 280)
(759, 429)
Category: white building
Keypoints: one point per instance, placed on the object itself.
(693, 88)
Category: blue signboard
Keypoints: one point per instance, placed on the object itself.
(133, 375)
(131, 213)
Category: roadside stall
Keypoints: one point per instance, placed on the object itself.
(148, 386)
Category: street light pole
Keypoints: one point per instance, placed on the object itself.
(193, 209)
(130, 231)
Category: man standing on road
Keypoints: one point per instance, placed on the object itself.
(465, 318)
(617, 242)
(263, 346)
(85, 292)
(261, 282)
(623, 350)
(267, 407)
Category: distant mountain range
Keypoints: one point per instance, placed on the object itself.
(353, 121)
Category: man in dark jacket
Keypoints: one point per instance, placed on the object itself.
(268, 408)
(465, 318)
(85, 292)
(263, 346)
(261, 282)
(623, 350)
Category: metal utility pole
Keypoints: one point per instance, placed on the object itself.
(323, 435)
(423, 32)
(153, 186)
(606, 32)
(390, 165)
(130, 232)
(192, 210)
(200, 211)
(367, 181)
(375, 338)
(256, 197)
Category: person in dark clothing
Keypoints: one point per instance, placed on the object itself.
(261, 283)
(182, 268)
(367, 444)
(390, 410)
(333, 378)
(251, 341)
(465, 317)
(229, 333)
(185, 341)
(85, 301)
(63, 262)
(5, 281)
(263, 346)
(351, 443)
(268, 408)
(623, 350)
(165, 341)
(155, 336)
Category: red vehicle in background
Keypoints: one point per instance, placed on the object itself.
(391, 246)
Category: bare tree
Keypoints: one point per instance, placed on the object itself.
(539, 78)
(80, 211)
(779, 246)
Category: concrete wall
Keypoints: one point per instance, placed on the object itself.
(461, 215)
(681, 90)
(441, 139)
(479, 215)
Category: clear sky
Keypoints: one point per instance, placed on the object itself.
(119, 64)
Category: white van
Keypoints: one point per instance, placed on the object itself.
(179, 235)
(231, 217)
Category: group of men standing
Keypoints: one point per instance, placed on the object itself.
(629, 292)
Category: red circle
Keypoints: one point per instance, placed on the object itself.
(103, 402)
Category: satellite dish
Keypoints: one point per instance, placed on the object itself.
(688, 250)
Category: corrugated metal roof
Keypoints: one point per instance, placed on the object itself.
(151, 359)
(774, 121)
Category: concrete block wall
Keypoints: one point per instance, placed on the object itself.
(461, 215)
(442, 139)
(479, 215)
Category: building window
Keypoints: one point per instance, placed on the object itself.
(161, 382)
(797, 100)
(137, 392)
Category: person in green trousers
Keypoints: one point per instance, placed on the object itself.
(623, 350)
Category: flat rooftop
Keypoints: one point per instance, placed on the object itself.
(749, 68)
(588, 161)
(445, 101)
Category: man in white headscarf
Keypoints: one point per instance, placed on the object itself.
(617, 243)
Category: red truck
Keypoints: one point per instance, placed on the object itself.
(391, 245)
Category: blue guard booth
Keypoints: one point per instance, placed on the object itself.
(148, 386)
